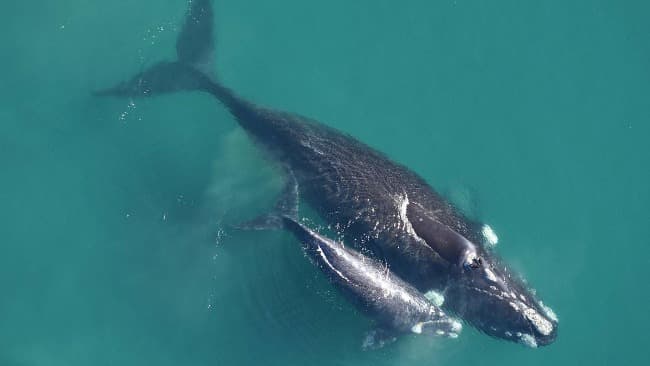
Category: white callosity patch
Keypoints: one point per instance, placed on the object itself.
(528, 340)
(456, 326)
(435, 297)
(490, 236)
(417, 328)
(542, 325)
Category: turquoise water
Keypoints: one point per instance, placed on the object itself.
(116, 246)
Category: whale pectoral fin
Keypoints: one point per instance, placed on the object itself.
(286, 205)
(446, 242)
(378, 338)
(263, 222)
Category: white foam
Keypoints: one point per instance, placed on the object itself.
(489, 235)
(456, 326)
(549, 312)
(435, 297)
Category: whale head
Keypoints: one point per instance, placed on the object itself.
(492, 299)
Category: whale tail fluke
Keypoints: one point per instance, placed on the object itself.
(195, 43)
(161, 78)
(191, 70)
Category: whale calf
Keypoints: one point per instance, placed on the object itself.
(396, 306)
(375, 204)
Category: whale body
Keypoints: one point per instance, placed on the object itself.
(374, 203)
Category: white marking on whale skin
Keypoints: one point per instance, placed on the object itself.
(417, 328)
(322, 255)
(403, 204)
(542, 325)
(490, 275)
(435, 297)
(489, 235)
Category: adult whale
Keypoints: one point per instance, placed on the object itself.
(375, 203)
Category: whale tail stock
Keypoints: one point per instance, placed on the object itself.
(192, 69)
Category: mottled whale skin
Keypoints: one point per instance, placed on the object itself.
(396, 306)
(375, 204)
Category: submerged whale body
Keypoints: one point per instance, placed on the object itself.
(376, 204)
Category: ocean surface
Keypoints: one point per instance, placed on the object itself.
(116, 216)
